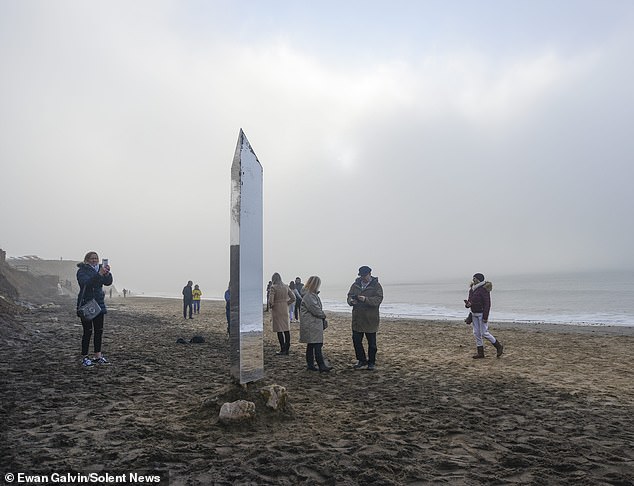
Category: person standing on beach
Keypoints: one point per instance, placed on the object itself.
(91, 277)
(293, 305)
(196, 293)
(299, 286)
(188, 299)
(268, 296)
(228, 307)
(281, 297)
(365, 297)
(479, 302)
(312, 322)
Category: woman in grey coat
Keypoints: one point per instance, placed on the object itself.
(312, 322)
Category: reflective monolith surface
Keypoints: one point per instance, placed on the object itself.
(246, 320)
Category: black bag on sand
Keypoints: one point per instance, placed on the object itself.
(181, 341)
(197, 340)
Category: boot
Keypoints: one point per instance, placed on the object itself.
(499, 348)
(280, 338)
(324, 369)
(310, 359)
(480, 353)
(319, 357)
(287, 343)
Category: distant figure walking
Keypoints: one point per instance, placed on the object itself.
(479, 302)
(312, 323)
(187, 299)
(299, 286)
(125, 292)
(196, 293)
(365, 297)
(281, 297)
(292, 305)
(91, 277)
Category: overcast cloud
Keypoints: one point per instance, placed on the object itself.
(425, 139)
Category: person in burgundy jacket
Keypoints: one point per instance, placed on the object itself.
(479, 302)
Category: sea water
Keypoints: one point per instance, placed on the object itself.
(590, 298)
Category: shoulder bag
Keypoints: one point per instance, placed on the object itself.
(89, 310)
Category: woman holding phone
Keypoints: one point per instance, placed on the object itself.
(91, 277)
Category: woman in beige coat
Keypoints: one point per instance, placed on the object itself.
(281, 296)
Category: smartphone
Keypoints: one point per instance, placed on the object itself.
(104, 262)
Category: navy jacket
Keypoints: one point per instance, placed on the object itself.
(93, 282)
(187, 294)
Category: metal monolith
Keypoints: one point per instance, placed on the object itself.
(246, 292)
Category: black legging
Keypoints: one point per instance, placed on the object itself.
(97, 324)
(314, 353)
(285, 339)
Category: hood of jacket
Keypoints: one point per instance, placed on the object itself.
(486, 284)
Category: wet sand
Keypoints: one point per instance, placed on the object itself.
(557, 408)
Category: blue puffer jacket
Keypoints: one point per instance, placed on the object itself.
(93, 282)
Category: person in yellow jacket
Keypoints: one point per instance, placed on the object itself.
(196, 293)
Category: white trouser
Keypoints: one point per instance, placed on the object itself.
(291, 311)
(481, 329)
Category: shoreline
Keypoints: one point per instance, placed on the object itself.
(598, 329)
(610, 328)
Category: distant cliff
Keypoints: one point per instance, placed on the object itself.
(19, 285)
(64, 271)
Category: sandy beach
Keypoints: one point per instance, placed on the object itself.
(557, 408)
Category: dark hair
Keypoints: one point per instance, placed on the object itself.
(89, 254)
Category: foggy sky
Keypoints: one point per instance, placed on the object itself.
(428, 140)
